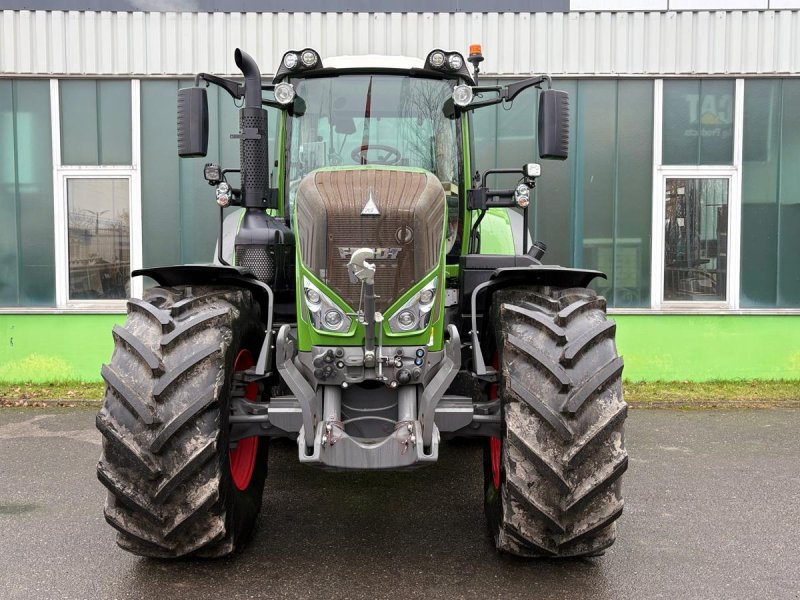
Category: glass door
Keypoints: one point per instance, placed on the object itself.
(696, 246)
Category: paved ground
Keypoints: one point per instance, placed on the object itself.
(712, 511)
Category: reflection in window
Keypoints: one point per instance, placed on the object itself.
(698, 122)
(696, 239)
(99, 238)
(95, 122)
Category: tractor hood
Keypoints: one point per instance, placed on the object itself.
(397, 212)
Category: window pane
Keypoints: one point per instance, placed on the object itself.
(99, 238)
(698, 122)
(161, 227)
(593, 209)
(789, 199)
(611, 148)
(760, 174)
(771, 195)
(95, 122)
(554, 193)
(179, 214)
(695, 239)
(27, 255)
(596, 114)
(634, 183)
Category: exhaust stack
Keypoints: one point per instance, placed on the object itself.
(252, 136)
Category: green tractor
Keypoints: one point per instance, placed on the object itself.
(370, 296)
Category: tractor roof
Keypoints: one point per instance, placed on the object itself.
(374, 61)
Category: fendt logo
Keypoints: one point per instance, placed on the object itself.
(380, 253)
(370, 208)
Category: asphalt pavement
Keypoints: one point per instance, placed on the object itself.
(712, 510)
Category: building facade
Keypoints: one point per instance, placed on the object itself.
(683, 183)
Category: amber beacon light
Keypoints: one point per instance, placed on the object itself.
(475, 57)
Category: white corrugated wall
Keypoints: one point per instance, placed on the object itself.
(576, 43)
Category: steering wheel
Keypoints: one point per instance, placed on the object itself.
(392, 156)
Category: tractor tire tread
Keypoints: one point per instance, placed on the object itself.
(563, 451)
(162, 462)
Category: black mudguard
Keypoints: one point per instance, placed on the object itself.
(214, 275)
(484, 281)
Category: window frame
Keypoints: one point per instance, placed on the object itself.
(62, 173)
(62, 236)
(731, 291)
(660, 175)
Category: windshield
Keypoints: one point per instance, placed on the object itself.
(372, 120)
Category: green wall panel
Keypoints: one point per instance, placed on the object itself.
(709, 347)
(45, 348)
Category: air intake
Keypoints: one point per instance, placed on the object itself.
(259, 260)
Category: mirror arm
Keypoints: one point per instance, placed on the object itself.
(234, 88)
(511, 91)
(506, 93)
(481, 103)
(478, 89)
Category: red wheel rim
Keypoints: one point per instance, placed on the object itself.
(495, 443)
(495, 448)
(243, 458)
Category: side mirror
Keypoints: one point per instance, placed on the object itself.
(553, 124)
(192, 122)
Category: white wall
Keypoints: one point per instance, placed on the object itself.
(574, 43)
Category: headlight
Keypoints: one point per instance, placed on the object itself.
(415, 314)
(313, 296)
(462, 95)
(333, 318)
(522, 195)
(212, 173)
(324, 314)
(290, 60)
(437, 59)
(223, 193)
(455, 61)
(309, 58)
(406, 320)
(284, 92)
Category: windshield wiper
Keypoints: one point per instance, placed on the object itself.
(365, 137)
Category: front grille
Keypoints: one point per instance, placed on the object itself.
(258, 260)
(407, 232)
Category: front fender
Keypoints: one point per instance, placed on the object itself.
(214, 275)
(504, 277)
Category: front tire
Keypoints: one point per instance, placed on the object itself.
(552, 484)
(173, 488)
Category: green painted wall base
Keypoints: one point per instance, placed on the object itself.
(50, 348)
(709, 347)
